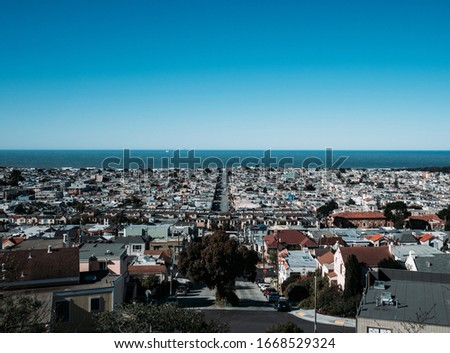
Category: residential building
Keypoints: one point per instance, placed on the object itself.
(399, 301)
(368, 257)
(295, 262)
(358, 220)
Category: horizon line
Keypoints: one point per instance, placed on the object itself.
(233, 149)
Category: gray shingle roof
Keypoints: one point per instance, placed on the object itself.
(418, 295)
(111, 250)
(439, 263)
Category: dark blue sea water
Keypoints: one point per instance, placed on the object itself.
(203, 158)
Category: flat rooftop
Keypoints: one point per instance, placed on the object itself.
(422, 298)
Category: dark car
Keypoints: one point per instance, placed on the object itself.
(181, 290)
(273, 297)
(269, 290)
(282, 305)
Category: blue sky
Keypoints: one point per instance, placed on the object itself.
(224, 74)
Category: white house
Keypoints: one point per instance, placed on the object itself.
(370, 257)
(295, 262)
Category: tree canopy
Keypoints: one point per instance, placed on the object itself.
(396, 212)
(390, 262)
(445, 215)
(325, 210)
(142, 318)
(353, 284)
(21, 314)
(217, 261)
(15, 177)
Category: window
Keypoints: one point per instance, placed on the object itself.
(62, 311)
(95, 304)
(136, 248)
(378, 330)
(103, 265)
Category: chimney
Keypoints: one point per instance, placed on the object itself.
(49, 249)
(428, 263)
(66, 241)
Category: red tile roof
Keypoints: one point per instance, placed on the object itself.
(288, 237)
(330, 241)
(146, 269)
(166, 255)
(331, 274)
(326, 258)
(426, 218)
(376, 237)
(369, 256)
(426, 238)
(12, 241)
(360, 215)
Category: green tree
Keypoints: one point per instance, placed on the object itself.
(20, 209)
(330, 300)
(142, 318)
(310, 187)
(21, 314)
(444, 248)
(324, 211)
(390, 262)
(351, 202)
(217, 261)
(353, 272)
(150, 282)
(396, 212)
(15, 177)
(288, 327)
(291, 279)
(445, 215)
(297, 292)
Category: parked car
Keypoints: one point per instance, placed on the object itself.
(282, 305)
(181, 290)
(263, 286)
(273, 297)
(269, 290)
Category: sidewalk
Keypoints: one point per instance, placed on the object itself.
(308, 315)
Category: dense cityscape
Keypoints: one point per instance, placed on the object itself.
(346, 249)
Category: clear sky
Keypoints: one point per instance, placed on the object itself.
(162, 74)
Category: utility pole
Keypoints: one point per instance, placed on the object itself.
(171, 278)
(278, 265)
(315, 304)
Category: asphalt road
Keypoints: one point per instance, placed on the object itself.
(250, 297)
(224, 200)
(253, 315)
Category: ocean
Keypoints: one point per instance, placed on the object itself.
(211, 158)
